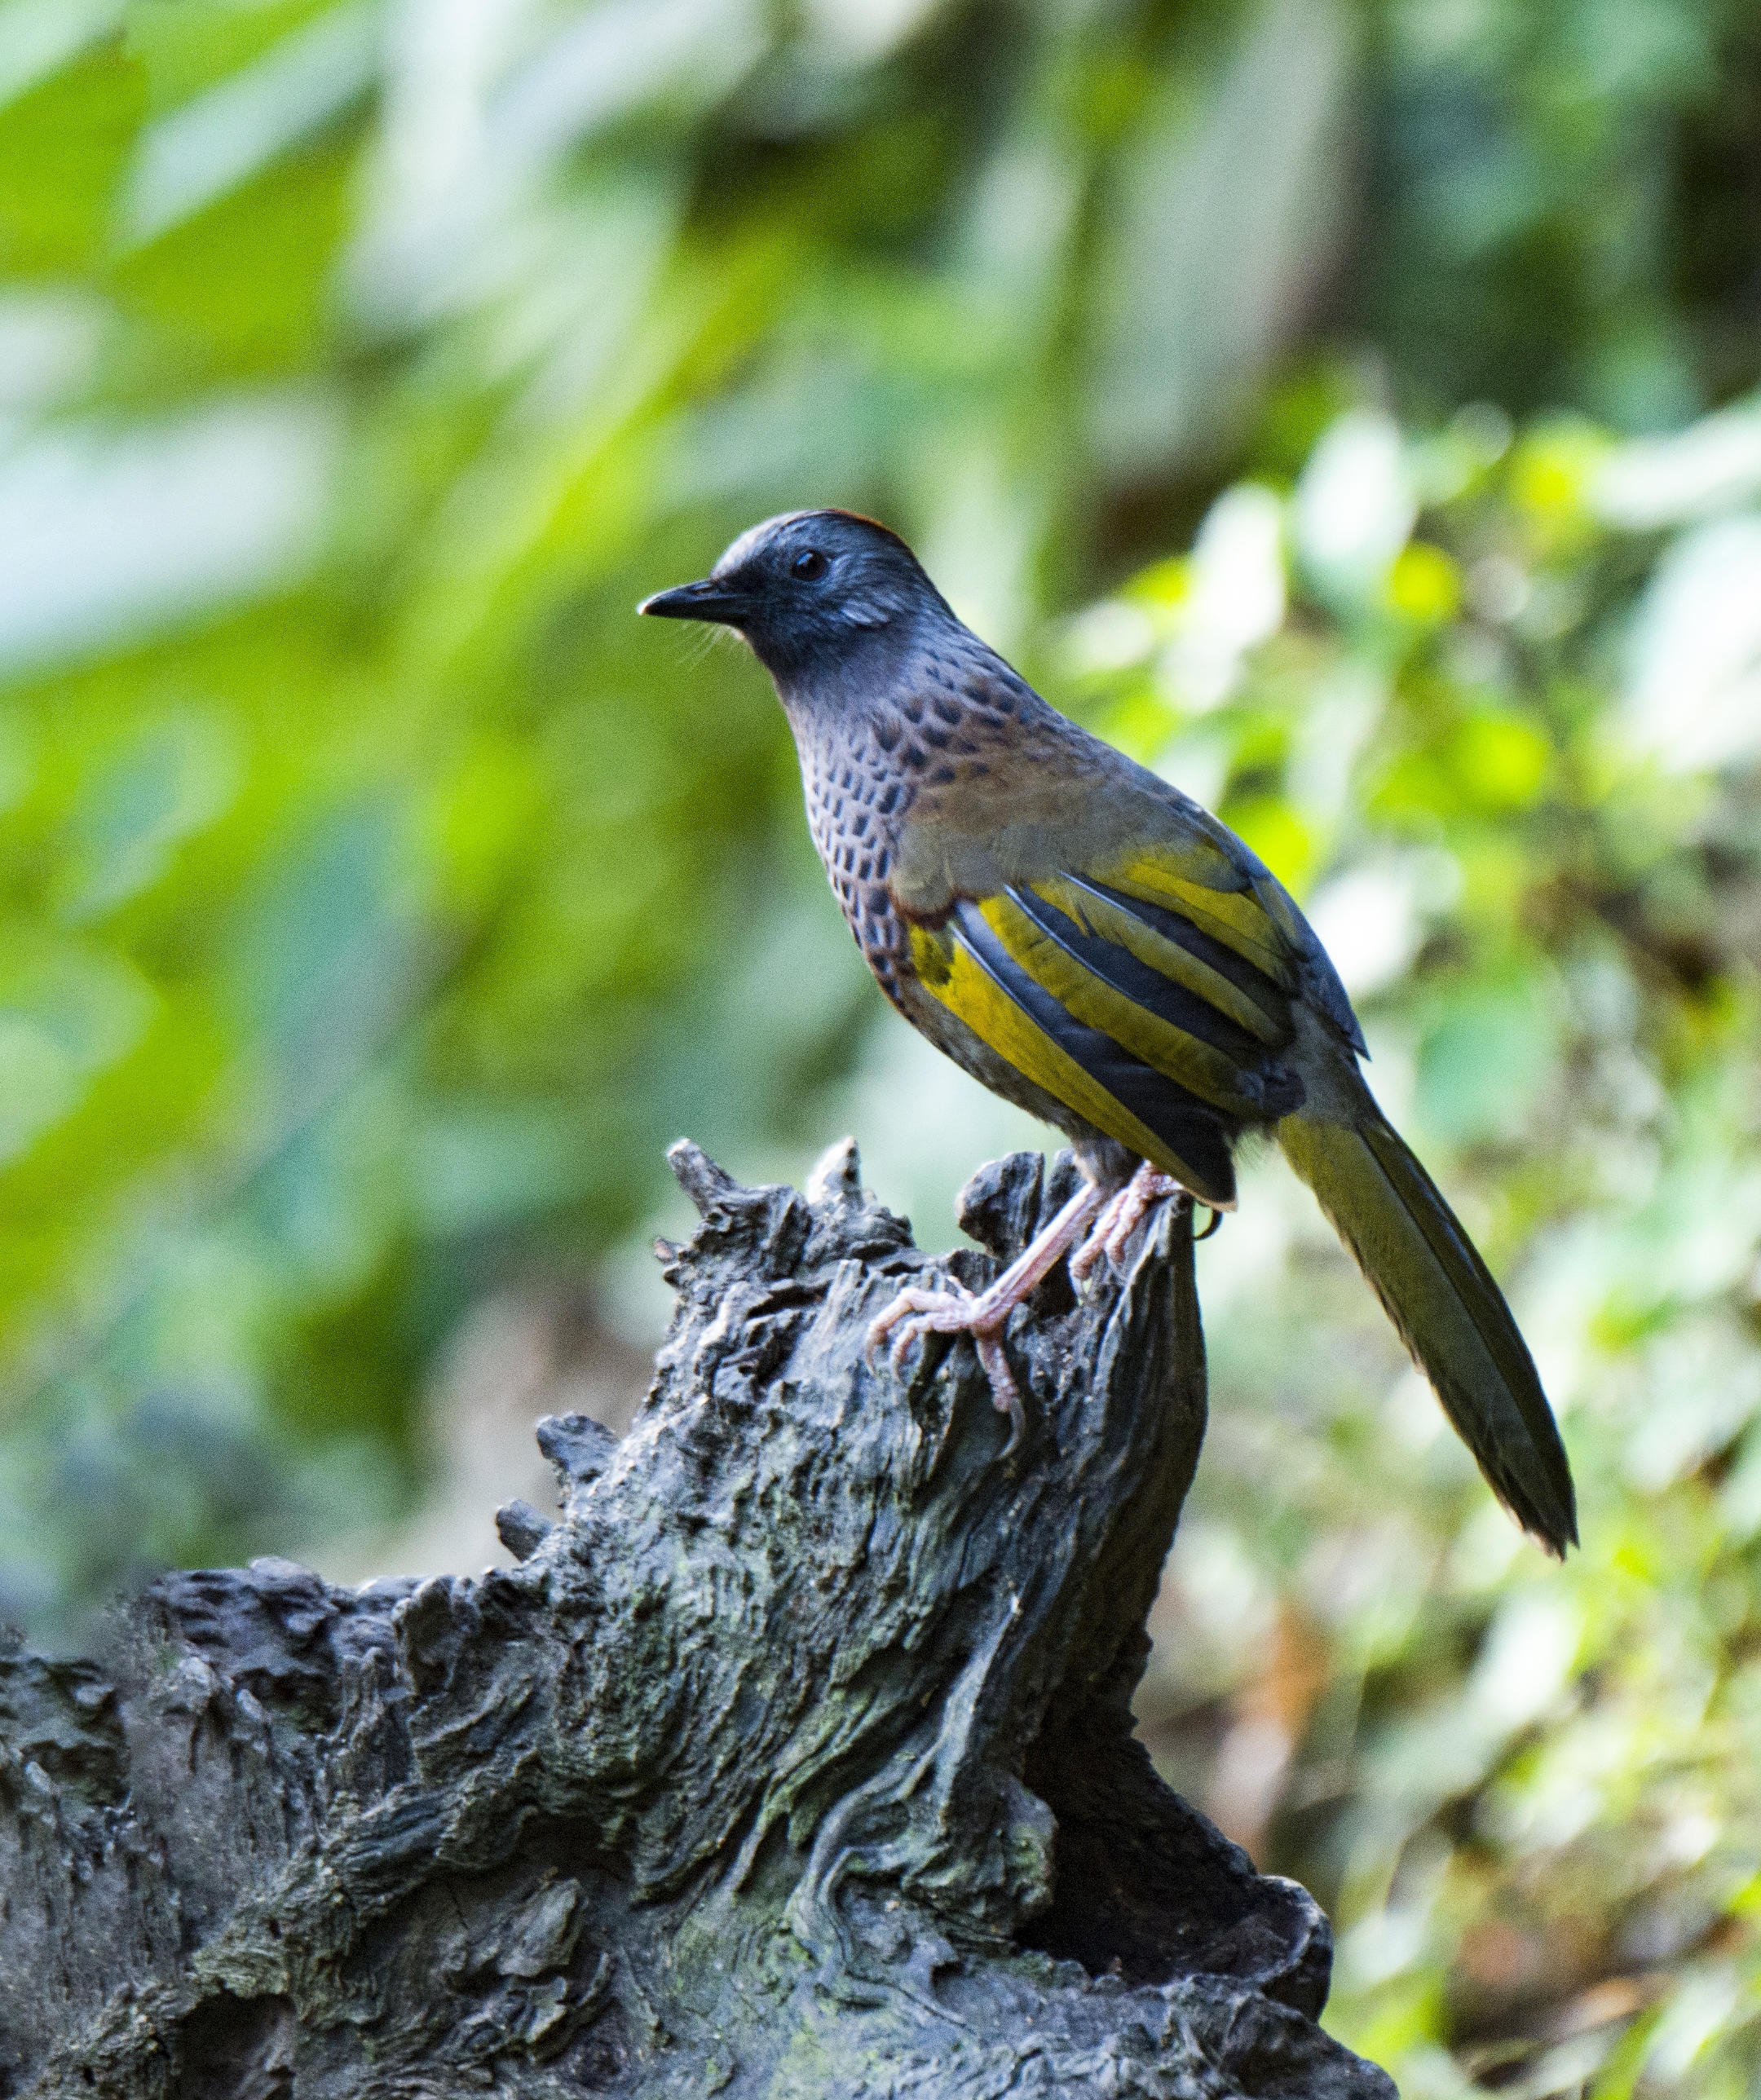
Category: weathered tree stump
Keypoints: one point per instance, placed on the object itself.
(795, 1758)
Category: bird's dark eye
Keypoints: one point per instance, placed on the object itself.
(810, 566)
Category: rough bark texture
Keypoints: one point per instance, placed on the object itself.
(794, 1759)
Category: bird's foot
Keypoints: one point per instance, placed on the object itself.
(1120, 1217)
(916, 1312)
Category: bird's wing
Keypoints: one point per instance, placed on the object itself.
(1227, 893)
(1153, 997)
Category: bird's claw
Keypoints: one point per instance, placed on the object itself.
(917, 1313)
(1121, 1216)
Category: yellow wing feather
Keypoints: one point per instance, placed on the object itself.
(1112, 922)
(948, 970)
(1235, 917)
(1200, 1067)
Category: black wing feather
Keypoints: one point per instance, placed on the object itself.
(1191, 1129)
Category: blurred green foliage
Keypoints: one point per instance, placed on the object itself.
(377, 897)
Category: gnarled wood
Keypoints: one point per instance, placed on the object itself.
(794, 1758)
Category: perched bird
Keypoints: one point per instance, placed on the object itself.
(1093, 944)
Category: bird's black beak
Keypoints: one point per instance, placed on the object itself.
(708, 600)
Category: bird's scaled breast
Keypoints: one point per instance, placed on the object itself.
(855, 801)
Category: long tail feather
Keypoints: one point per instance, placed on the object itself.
(1449, 1312)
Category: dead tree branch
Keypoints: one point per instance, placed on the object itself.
(794, 1758)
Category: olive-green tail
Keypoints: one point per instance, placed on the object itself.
(1450, 1313)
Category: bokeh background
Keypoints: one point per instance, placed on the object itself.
(1346, 405)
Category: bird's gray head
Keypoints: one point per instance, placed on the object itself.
(809, 590)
